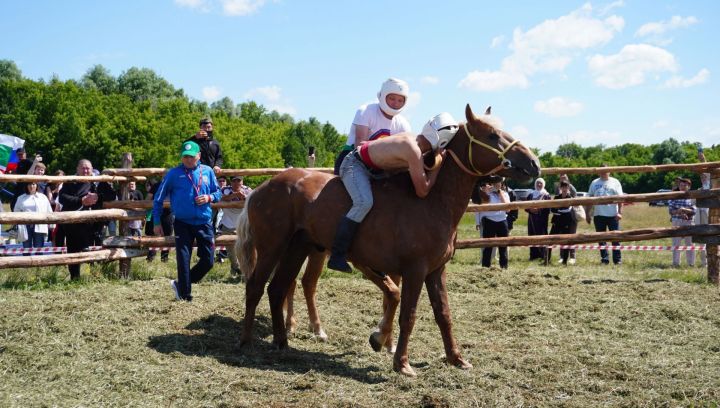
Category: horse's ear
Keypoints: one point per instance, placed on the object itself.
(469, 115)
(488, 111)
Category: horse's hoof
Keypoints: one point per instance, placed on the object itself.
(405, 370)
(245, 343)
(281, 344)
(462, 364)
(376, 341)
(322, 336)
(290, 328)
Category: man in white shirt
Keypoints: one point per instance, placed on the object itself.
(376, 120)
(606, 217)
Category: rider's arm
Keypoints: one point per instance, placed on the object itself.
(422, 181)
(362, 133)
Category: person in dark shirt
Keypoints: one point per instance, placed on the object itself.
(84, 196)
(210, 151)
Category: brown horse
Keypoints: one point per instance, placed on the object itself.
(294, 215)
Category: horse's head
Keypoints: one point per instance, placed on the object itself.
(481, 149)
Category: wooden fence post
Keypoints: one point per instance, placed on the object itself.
(713, 263)
(123, 227)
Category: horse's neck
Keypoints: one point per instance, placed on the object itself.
(453, 189)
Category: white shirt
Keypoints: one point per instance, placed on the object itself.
(230, 215)
(37, 203)
(371, 116)
(497, 216)
(603, 188)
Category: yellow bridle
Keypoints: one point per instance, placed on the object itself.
(504, 162)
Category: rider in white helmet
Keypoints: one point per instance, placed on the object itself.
(376, 120)
(403, 151)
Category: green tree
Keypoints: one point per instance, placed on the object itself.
(143, 83)
(98, 77)
(9, 71)
(224, 105)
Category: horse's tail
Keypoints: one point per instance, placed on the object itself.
(244, 244)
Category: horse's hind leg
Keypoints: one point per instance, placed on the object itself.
(285, 274)
(437, 291)
(310, 278)
(289, 306)
(254, 290)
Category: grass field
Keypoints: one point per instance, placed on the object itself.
(643, 334)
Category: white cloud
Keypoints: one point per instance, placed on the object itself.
(661, 27)
(413, 100)
(229, 7)
(268, 93)
(629, 66)
(605, 10)
(559, 107)
(210, 93)
(519, 131)
(201, 5)
(241, 7)
(548, 47)
(679, 82)
(271, 97)
(483, 81)
(497, 41)
(661, 124)
(430, 80)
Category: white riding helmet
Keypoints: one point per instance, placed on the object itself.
(440, 130)
(393, 86)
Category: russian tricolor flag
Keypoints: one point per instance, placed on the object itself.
(8, 152)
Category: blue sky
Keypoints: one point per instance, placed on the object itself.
(608, 72)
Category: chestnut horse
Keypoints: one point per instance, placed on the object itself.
(294, 215)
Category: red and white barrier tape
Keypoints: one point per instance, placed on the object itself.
(60, 250)
(630, 247)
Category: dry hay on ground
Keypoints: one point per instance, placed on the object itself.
(535, 338)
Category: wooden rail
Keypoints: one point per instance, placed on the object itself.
(70, 217)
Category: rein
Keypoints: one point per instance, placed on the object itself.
(504, 163)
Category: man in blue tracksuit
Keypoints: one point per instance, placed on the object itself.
(190, 187)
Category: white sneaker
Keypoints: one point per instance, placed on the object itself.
(173, 284)
(571, 261)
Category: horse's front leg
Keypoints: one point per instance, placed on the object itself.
(437, 291)
(310, 278)
(382, 336)
(412, 286)
(390, 304)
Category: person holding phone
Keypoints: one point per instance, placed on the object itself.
(494, 223)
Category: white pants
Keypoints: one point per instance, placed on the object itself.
(701, 218)
(689, 254)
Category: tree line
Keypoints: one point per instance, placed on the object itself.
(101, 116)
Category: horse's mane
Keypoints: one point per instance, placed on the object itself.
(494, 122)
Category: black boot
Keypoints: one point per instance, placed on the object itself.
(343, 238)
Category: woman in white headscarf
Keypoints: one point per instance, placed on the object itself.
(538, 218)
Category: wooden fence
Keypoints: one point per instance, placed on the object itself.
(124, 248)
